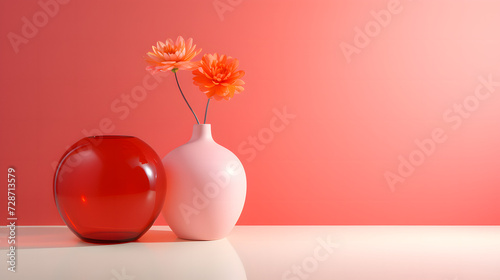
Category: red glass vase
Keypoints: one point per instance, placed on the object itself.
(109, 188)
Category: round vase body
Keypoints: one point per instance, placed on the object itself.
(109, 188)
(206, 188)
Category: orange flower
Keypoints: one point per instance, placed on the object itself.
(217, 77)
(172, 57)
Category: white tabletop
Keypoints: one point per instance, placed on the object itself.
(264, 252)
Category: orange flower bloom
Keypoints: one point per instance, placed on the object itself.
(217, 77)
(172, 57)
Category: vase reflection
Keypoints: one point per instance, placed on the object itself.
(159, 254)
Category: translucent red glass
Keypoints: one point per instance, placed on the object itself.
(109, 188)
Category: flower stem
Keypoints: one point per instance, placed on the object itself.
(206, 110)
(175, 74)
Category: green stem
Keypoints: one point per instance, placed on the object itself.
(175, 74)
(206, 110)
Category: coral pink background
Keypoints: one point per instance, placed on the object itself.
(354, 115)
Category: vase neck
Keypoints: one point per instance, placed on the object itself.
(201, 132)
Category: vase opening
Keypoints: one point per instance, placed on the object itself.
(110, 137)
(201, 131)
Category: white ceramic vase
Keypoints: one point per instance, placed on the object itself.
(206, 188)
